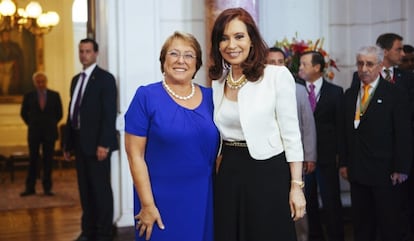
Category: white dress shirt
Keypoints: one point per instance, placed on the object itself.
(318, 86)
(88, 72)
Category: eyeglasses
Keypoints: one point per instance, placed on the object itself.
(188, 57)
(360, 64)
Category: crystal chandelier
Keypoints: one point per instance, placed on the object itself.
(31, 18)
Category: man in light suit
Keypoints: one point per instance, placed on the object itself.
(41, 110)
(307, 130)
(91, 134)
(328, 114)
(377, 150)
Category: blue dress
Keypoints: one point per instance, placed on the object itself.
(181, 149)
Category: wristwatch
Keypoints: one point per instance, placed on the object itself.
(298, 182)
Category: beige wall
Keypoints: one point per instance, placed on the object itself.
(58, 60)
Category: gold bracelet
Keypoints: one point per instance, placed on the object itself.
(300, 183)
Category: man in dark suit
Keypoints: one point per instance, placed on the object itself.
(41, 110)
(326, 101)
(377, 150)
(392, 45)
(90, 132)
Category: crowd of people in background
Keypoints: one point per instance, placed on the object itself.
(251, 158)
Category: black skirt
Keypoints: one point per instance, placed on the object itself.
(252, 198)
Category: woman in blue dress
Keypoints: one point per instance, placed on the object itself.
(172, 143)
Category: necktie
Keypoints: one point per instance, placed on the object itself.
(76, 108)
(365, 97)
(312, 96)
(387, 75)
(42, 99)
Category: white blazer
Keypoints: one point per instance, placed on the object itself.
(268, 114)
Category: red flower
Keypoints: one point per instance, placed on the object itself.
(295, 48)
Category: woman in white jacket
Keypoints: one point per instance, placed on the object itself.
(258, 189)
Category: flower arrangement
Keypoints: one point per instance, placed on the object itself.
(295, 48)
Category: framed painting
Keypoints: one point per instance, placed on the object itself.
(17, 64)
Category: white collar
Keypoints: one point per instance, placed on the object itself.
(391, 69)
(317, 83)
(88, 71)
(373, 84)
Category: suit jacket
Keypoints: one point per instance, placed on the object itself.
(328, 116)
(381, 144)
(42, 122)
(268, 114)
(404, 80)
(306, 124)
(97, 112)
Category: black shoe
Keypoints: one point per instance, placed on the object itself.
(27, 193)
(49, 193)
(82, 238)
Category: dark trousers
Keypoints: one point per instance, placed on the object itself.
(327, 179)
(47, 162)
(377, 209)
(95, 194)
(252, 198)
(410, 202)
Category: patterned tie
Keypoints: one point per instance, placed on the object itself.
(365, 97)
(387, 75)
(312, 96)
(42, 99)
(76, 108)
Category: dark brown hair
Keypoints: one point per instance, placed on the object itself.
(92, 41)
(253, 66)
(186, 37)
(386, 40)
(317, 58)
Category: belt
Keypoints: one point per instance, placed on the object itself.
(235, 143)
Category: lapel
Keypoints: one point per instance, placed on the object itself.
(36, 98)
(74, 83)
(353, 93)
(90, 82)
(218, 93)
(322, 96)
(397, 75)
(376, 99)
(47, 100)
(351, 97)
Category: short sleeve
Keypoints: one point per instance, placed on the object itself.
(137, 119)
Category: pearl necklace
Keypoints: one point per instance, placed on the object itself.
(169, 90)
(235, 84)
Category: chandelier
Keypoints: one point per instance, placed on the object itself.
(31, 18)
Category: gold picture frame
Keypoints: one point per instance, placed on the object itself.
(18, 62)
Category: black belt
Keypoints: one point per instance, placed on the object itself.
(235, 143)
